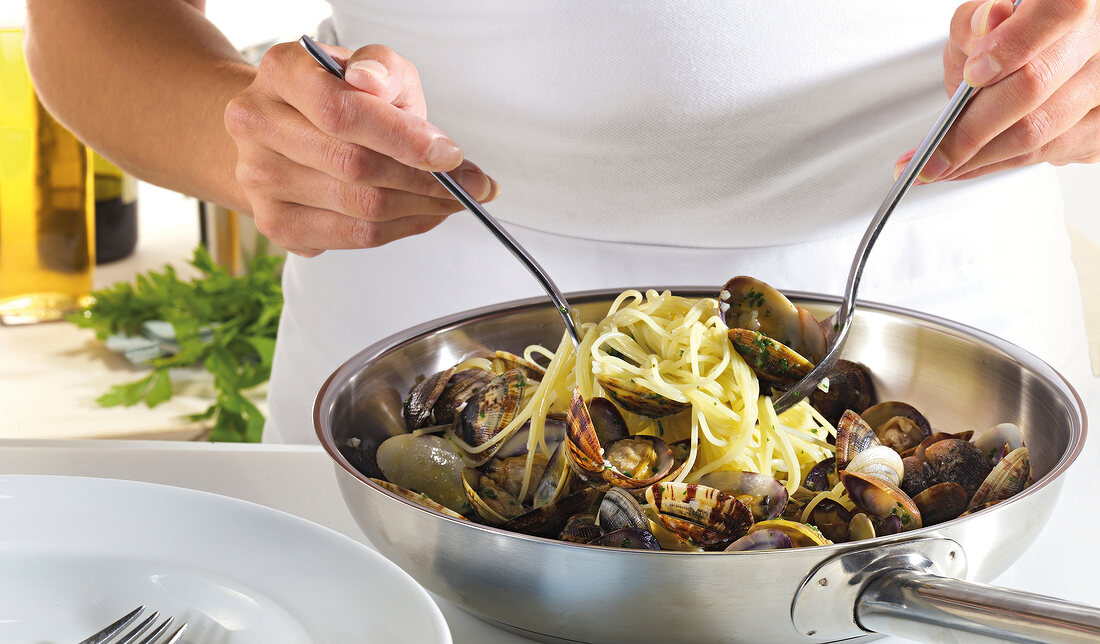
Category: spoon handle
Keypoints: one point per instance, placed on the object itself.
(471, 204)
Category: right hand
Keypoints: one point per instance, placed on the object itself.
(328, 163)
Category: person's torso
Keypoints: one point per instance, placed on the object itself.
(752, 125)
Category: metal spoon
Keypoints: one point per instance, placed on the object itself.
(471, 204)
(837, 325)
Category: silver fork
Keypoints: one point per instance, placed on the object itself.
(107, 635)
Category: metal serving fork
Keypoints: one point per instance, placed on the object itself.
(107, 635)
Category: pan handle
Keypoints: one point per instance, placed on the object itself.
(915, 589)
(918, 605)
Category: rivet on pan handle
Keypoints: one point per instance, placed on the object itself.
(910, 589)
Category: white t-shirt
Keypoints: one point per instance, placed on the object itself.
(671, 143)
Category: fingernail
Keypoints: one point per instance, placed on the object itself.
(374, 68)
(476, 183)
(980, 70)
(903, 160)
(979, 22)
(936, 167)
(443, 153)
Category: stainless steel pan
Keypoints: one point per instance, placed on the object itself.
(919, 584)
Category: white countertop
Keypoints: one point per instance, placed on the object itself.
(301, 480)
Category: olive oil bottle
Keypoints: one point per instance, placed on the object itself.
(46, 201)
(116, 223)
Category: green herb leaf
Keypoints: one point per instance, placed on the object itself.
(223, 323)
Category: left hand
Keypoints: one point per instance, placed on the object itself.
(1040, 72)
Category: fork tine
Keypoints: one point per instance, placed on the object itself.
(138, 630)
(111, 630)
(176, 634)
(157, 632)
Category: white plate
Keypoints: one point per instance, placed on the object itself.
(76, 553)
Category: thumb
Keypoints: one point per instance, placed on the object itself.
(379, 70)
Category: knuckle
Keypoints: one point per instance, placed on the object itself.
(241, 116)
(270, 225)
(963, 143)
(334, 116)
(278, 57)
(350, 162)
(365, 234)
(1033, 80)
(370, 203)
(1035, 130)
(254, 175)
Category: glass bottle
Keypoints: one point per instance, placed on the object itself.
(47, 250)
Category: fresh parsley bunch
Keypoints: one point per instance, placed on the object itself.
(226, 324)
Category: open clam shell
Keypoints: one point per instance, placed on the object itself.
(881, 499)
(771, 360)
(898, 425)
(750, 304)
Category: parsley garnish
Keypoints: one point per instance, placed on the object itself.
(224, 323)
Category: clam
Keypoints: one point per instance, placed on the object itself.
(897, 424)
(504, 361)
(489, 500)
(556, 479)
(889, 525)
(618, 510)
(861, 527)
(417, 408)
(607, 421)
(549, 520)
(633, 538)
(773, 362)
(832, 519)
(462, 386)
(821, 477)
(510, 473)
(769, 539)
(850, 387)
(426, 464)
(880, 499)
(880, 461)
(700, 514)
(941, 502)
(801, 535)
(990, 441)
(553, 433)
(919, 450)
(1008, 477)
(958, 460)
(492, 408)
(580, 528)
(750, 304)
(762, 494)
(853, 435)
(632, 462)
(917, 475)
(638, 399)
